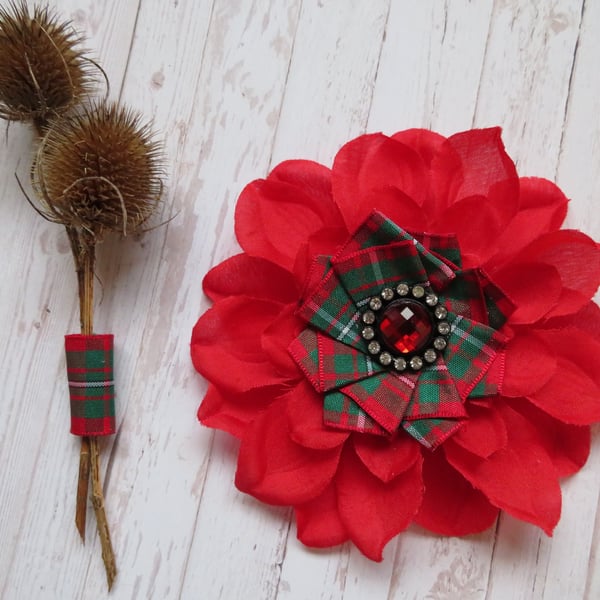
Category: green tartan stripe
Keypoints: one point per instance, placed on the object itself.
(305, 353)
(340, 364)
(432, 432)
(385, 397)
(93, 409)
(472, 347)
(330, 309)
(489, 384)
(439, 272)
(341, 412)
(366, 272)
(435, 395)
(464, 297)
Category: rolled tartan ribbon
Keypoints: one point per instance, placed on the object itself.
(91, 385)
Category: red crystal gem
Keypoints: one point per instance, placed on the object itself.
(406, 326)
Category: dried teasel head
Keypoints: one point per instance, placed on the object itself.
(43, 70)
(99, 170)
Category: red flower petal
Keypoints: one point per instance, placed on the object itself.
(530, 362)
(474, 163)
(277, 337)
(451, 505)
(568, 446)
(273, 219)
(372, 511)
(570, 396)
(576, 257)
(483, 433)
(586, 319)
(304, 410)
(307, 175)
(476, 225)
(385, 458)
(324, 242)
(520, 479)
(542, 209)
(226, 346)
(534, 288)
(318, 521)
(423, 141)
(244, 275)
(233, 414)
(275, 469)
(371, 163)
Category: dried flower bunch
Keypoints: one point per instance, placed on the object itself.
(44, 71)
(99, 170)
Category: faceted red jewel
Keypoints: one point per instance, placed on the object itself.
(406, 326)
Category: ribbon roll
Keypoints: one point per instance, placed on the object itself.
(91, 385)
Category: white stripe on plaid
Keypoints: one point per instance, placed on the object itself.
(457, 330)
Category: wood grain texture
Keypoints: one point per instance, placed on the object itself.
(234, 87)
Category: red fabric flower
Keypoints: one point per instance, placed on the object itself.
(511, 441)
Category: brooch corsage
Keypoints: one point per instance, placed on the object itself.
(407, 337)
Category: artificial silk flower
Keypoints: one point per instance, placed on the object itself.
(406, 337)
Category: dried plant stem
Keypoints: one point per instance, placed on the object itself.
(83, 247)
(108, 555)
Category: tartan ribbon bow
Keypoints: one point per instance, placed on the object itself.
(360, 393)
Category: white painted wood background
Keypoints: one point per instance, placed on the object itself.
(235, 87)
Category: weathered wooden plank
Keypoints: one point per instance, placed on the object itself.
(37, 495)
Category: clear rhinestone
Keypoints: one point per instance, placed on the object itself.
(431, 300)
(387, 293)
(368, 333)
(439, 343)
(441, 312)
(444, 327)
(375, 303)
(368, 318)
(374, 347)
(418, 291)
(402, 289)
(399, 364)
(416, 362)
(385, 358)
(430, 355)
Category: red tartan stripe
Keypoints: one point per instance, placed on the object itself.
(375, 230)
(97, 427)
(435, 395)
(365, 272)
(340, 364)
(467, 368)
(348, 415)
(303, 350)
(385, 397)
(443, 247)
(465, 297)
(331, 310)
(78, 342)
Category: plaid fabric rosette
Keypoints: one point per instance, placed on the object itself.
(399, 335)
(91, 385)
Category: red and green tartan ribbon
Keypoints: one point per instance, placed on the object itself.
(360, 394)
(91, 385)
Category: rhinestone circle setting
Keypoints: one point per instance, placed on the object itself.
(429, 341)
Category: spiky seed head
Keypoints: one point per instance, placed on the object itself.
(99, 170)
(43, 70)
